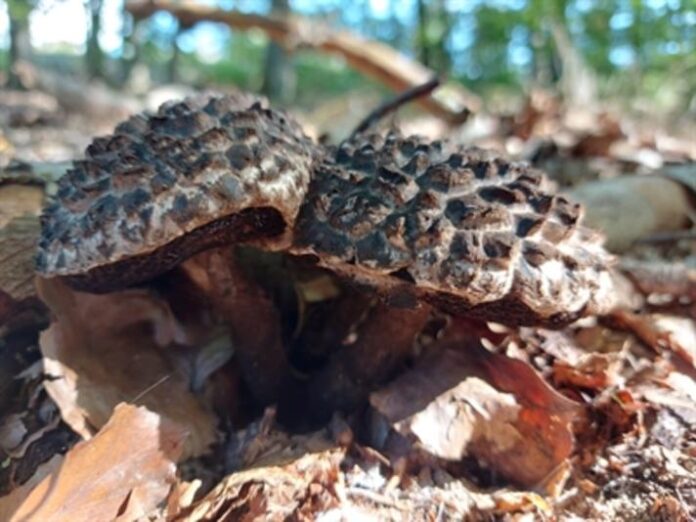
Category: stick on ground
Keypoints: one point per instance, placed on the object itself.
(395, 103)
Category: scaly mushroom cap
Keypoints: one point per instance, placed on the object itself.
(473, 234)
(197, 174)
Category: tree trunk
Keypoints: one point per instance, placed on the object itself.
(173, 65)
(94, 55)
(578, 82)
(20, 46)
(423, 49)
(279, 80)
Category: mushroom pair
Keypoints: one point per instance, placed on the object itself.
(412, 220)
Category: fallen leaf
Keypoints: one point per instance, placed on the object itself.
(294, 491)
(182, 496)
(472, 401)
(596, 371)
(516, 501)
(124, 472)
(96, 360)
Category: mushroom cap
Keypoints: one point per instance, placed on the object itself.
(198, 173)
(466, 231)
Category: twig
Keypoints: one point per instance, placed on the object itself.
(150, 388)
(391, 105)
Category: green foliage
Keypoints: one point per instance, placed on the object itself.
(242, 64)
(20, 9)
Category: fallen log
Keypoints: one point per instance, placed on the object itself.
(374, 59)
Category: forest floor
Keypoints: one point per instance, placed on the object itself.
(104, 416)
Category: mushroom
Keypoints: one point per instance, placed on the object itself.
(415, 221)
(459, 228)
(201, 173)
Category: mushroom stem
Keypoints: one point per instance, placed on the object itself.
(251, 316)
(383, 343)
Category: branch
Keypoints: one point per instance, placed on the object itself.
(374, 59)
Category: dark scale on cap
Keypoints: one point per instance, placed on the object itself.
(499, 245)
(214, 140)
(135, 200)
(457, 211)
(106, 208)
(460, 223)
(481, 169)
(418, 163)
(501, 195)
(240, 156)
(375, 249)
(145, 215)
(526, 226)
(538, 253)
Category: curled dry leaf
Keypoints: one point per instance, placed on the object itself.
(96, 360)
(474, 402)
(295, 491)
(123, 473)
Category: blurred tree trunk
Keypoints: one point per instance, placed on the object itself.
(172, 73)
(20, 46)
(434, 28)
(94, 56)
(131, 53)
(578, 81)
(422, 47)
(279, 80)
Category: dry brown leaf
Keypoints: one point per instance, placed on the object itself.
(517, 501)
(488, 405)
(103, 349)
(597, 371)
(661, 332)
(182, 496)
(124, 472)
(296, 491)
